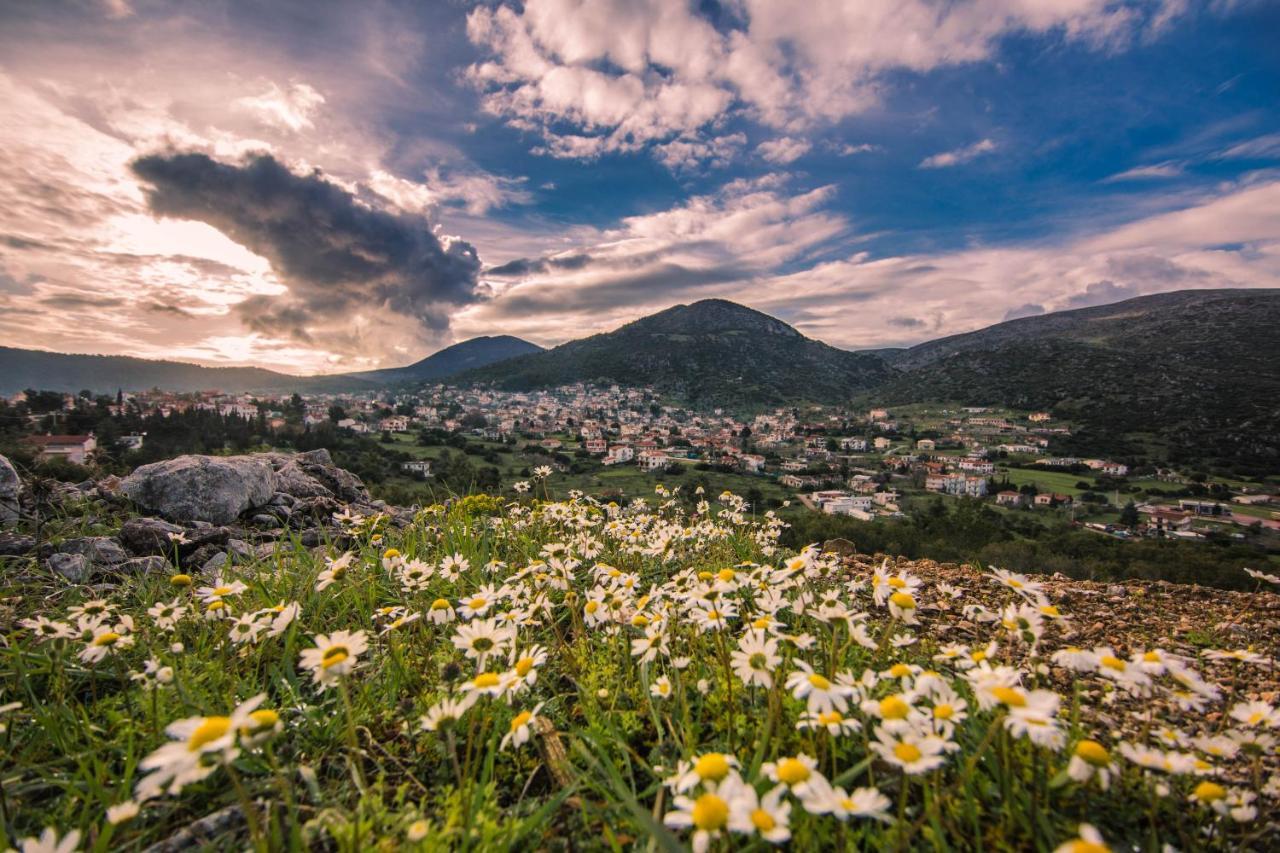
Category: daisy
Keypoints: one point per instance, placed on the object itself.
(441, 612)
(48, 842)
(47, 629)
(861, 802)
(661, 687)
(913, 752)
(282, 616)
(447, 711)
(768, 815)
(819, 693)
(246, 628)
(198, 745)
(166, 615)
(106, 641)
(756, 658)
(1036, 718)
(1090, 759)
(486, 684)
(122, 812)
(1089, 841)
(796, 773)
(833, 721)
(483, 637)
(708, 814)
(220, 589)
(710, 768)
(336, 570)
(478, 604)
(519, 732)
(1255, 714)
(452, 567)
(334, 655)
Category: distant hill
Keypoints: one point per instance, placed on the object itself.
(1195, 373)
(21, 369)
(477, 352)
(712, 352)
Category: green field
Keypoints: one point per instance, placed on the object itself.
(1046, 481)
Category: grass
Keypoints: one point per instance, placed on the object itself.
(645, 668)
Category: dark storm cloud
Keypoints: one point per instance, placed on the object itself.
(527, 266)
(907, 322)
(75, 301)
(336, 254)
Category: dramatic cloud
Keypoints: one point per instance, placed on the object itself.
(336, 255)
(621, 75)
(960, 155)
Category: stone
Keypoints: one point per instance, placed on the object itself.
(73, 567)
(264, 520)
(10, 487)
(215, 489)
(144, 536)
(841, 547)
(99, 550)
(152, 565)
(16, 544)
(293, 481)
(240, 549)
(215, 563)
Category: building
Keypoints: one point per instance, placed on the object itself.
(596, 446)
(619, 454)
(1011, 498)
(855, 445)
(422, 467)
(73, 448)
(751, 462)
(926, 444)
(882, 443)
(652, 460)
(1039, 417)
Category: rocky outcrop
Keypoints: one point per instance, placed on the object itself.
(10, 486)
(219, 489)
(201, 488)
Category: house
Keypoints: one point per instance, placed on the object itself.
(751, 463)
(882, 443)
(1039, 417)
(793, 465)
(977, 466)
(596, 446)
(885, 498)
(132, 442)
(652, 460)
(926, 444)
(421, 467)
(1115, 469)
(878, 414)
(73, 448)
(1049, 499)
(550, 444)
(855, 445)
(1010, 498)
(395, 423)
(619, 454)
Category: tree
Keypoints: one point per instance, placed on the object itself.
(1129, 515)
(337, 413)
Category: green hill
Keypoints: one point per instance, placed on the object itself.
(712, 352)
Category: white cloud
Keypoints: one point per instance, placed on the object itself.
(957, 156)
(600, 76)
(1168, 169)
(288, 109)
(783, 150)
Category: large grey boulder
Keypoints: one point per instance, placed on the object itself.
(216, 489)
(10, 485)
(98, 550)
(73, 567)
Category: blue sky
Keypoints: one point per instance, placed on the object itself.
(321, 187)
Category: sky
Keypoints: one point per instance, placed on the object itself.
(320, 187)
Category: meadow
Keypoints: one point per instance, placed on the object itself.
(557, 674)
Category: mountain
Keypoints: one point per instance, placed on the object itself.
(1190, 373)
(712, 352)
(477, 352)
(21, 369)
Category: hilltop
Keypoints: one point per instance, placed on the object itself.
(711, 352)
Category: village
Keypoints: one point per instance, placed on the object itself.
(864, 463)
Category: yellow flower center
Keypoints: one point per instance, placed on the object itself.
(896, 583)
(390, 554)
(899, 670)
(907, 752)
(216, 605)
(713, 766)
(1079, 845)
(1015, 583)
(1051, 610)
(592, 606)
(830, 718)
(1207, 792)
(903, 600)
(486, 679)
(1009, 696)
(523, 666)
(520, 720)
(1151, 657)
(640, 620)
(943, 711)
(761, 623)
(106, 638)
(763, 821)
(180, 580)
(222, 590)
(978, 657)
(705, 576)
(333, 656)
(440, 604)
(819, 682)
(894, 708)
(1112, 662)
(477, 602)
(726, 575)
(1093, 752)
(710, 812)
(792, 771)
(209, 730)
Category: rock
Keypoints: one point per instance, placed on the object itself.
(10, 486)
(144, 536)
(1116, 591)
(265, 520)
(240, 548)
(16, 545)
(215, 563)
(311, 537)
(201, 555)
(293, 481)
(99, 550)
(205, 488)
(73, 567)
(841, 547)
(154, 564)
